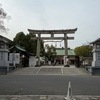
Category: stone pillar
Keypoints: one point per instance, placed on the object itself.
(4, 63)
(66, 44)
(96, 56)
(38, 50)
(66, 50)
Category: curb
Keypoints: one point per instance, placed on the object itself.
(46, 97)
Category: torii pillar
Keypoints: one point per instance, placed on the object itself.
(38, 51)
(66, 50)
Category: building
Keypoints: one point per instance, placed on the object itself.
(60, 52)
(19, 55)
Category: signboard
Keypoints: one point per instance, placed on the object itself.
(14, 58)
(1, 55)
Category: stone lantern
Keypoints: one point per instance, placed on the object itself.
(96, 57)
(4, 63)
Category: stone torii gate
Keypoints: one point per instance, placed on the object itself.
(52, 33)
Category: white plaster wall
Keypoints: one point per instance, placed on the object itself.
(96, 59)
(32, 61)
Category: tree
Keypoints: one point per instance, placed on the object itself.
(20, 39)
(3, 16)
(83, 51)
(50, 52)
(28, 43)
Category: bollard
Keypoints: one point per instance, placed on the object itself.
(69, 93)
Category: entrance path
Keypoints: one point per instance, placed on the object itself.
(50, 70)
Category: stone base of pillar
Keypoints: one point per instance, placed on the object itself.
(66, 65)
(66, 59)
(95, 70)
(6, 69)
(37, 66)
(3, 70)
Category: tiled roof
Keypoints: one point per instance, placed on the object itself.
(6, 40)
(17, 47)
(97, 40)
(61, 52)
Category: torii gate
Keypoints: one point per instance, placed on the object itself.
(52, 32)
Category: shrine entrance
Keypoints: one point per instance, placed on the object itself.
(52, 34)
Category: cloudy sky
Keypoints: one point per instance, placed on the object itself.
(55, 14)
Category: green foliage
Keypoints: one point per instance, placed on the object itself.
(19, 39)
(83, 51)
(27, 42)
(50, 52)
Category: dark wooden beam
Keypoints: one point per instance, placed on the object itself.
(66, 31)
(54, 38)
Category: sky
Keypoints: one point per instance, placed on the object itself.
(54, 14)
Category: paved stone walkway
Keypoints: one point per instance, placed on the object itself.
(50, 70)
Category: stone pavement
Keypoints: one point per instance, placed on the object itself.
(50, 70)
(46, 97)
